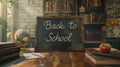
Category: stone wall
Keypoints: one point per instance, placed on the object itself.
(25, 13)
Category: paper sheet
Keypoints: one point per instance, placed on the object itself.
(32, 55)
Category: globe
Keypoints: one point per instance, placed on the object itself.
(21, 37)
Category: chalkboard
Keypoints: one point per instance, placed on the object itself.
(58, 34)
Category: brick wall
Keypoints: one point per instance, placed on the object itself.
(25, 14)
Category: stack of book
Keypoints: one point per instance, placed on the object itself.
(93, 18)
(93, 35)
(8, 51)
(99, 58)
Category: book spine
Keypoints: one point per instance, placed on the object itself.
(65, 6)
(93, 35)
(99, 3)
(86, 18)
(87, 4)
(93, 3)
(95, 17)
(11, 56)
(54, 6)
(50, 6)
(91, 17)
(96, 3)
(9, 53)
(7, 45)
(10, 50)
(47, 6)
(90, 3)
(0, 60)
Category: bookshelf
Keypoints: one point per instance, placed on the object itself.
(92, 11)
(60, 7)
(94, 22)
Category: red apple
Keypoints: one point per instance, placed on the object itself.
(105, 47)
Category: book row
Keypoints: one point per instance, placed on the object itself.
(93, 35)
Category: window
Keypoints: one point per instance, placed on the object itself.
(6, 19)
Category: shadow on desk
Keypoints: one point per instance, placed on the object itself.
(11, 62)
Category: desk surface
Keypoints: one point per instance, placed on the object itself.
(63, 59)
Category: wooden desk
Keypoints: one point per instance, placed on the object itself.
(63, 59)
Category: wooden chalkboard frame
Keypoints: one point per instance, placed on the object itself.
(37, 45)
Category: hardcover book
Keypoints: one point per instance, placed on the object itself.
(98, 58)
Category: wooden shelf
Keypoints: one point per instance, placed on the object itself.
(62, 7)
(52, 12)
(94, 20)
(94, 9)
(92, 41)
(94, 23)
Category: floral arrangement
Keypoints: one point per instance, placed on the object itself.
(114, 26)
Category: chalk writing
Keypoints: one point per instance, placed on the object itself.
(48, 25)
(73, 25)
(58, 38)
